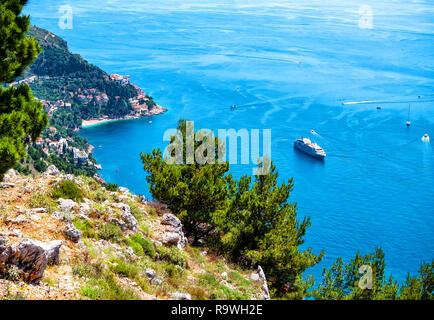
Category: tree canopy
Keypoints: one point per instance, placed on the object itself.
(21, 116)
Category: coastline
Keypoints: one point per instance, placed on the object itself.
(94, 122)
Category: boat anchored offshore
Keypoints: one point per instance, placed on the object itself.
(307, 146)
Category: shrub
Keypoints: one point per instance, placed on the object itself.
(67, 190)
(111, 186)
(146, 244)
(219, 291)
(197, 293)
(137, 248)
(195, 254)
(13, 273)
(83, 270)
(86, 227)
(99, 195)
(135, 211)
(89, 292)
(173, 271)
(41, 200)
(143, 226)
(106, 288)
(125, 269)
(172, 255)
(109, 232)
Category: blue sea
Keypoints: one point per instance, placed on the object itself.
(288, 65)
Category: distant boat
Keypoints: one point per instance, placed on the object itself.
(312, 149)
(378, 107)
(149, 121)
(425, 137)
(234, 106)
(408, 119)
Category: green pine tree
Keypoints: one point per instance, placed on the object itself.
(194, 191)
(21, 116)
(261, 227)
(343, 281)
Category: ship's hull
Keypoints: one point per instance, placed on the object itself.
(308, 151)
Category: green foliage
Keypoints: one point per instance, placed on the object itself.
(341, 280)
(422, 287)
(83, 270)
(105, 287)
(137, 248)
(86, 227)
(111, 187)
(21, 116)
(217, 291)
(194, 191)
(135, 211)
(13, 273)
(42, 200)
(125, 269)
(67, 190)
(145, 245)
(172, 255)
(109, 232)
(195, 254)
(144, 227)
(261, 227)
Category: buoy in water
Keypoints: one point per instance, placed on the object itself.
(408, 123)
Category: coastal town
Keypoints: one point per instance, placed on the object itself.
(142, 104)
(62, 141)
(62, 146)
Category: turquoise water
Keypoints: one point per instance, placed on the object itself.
(288, 65)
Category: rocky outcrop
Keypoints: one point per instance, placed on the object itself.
(180, 296)
(127, 217)
(150, 274)
(5, 185)
(31, 257)
(171, 220)
(175, 234)
(171, 238)
(118, 222)
(51, 171)
(72, 233)
(264, 283)
(10, 175)
(66, 205)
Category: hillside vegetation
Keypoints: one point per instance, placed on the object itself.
(114, 245)
(66, 72)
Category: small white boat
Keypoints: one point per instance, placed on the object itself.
(408, 121)
(425, 137)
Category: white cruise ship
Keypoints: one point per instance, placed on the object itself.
(312, 149)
